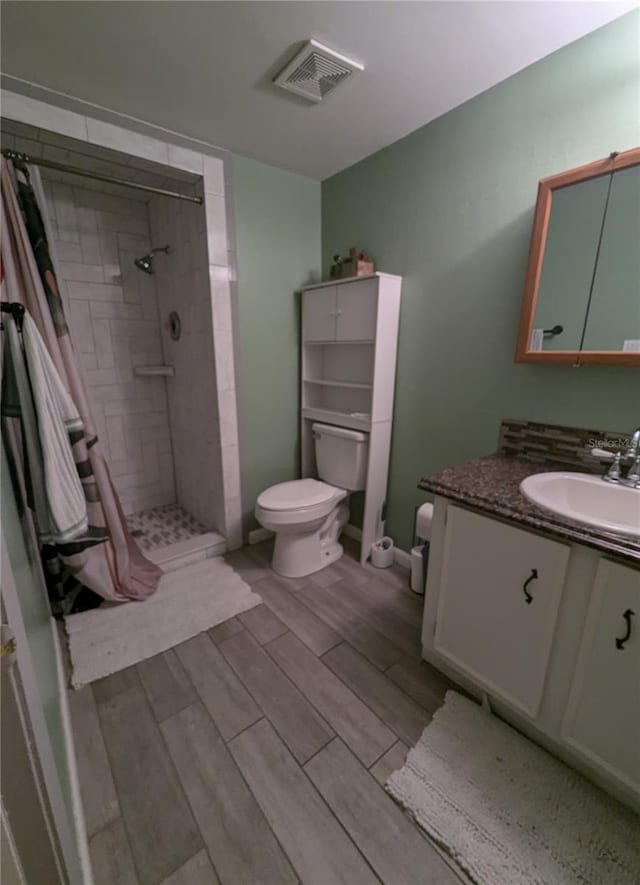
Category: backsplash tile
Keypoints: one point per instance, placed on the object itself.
(561, 446)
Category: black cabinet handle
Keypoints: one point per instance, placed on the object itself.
(620, 642)
(525, 587)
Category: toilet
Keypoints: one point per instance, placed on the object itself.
(308, 515)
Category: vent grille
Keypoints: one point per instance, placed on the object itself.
(315, 71)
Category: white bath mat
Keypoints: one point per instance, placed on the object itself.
(188, 601)
(508, 812)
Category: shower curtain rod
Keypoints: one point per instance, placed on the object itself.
(50, 164)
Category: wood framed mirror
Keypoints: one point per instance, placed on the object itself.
(582, 290)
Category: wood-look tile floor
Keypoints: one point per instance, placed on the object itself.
(256, 752)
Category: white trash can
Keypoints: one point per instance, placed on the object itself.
(382, 553)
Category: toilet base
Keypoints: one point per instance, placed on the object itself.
(296, 555)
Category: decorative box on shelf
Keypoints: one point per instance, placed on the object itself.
(358, 264)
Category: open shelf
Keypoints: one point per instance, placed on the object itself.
(342, 419)
(325, 382)
(337, 397)
(340, 343)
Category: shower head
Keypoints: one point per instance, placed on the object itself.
(146, 262)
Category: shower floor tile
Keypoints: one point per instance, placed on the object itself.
(164, 525)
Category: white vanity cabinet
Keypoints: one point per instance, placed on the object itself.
(602, 721)
(548, 631)
(499, 595)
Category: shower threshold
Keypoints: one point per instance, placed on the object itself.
(172, 538)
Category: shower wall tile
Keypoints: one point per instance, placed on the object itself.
(233, 519)
(216, 229)
(115, 310)
(37, 113)
(92, 291)
(228, 418)
(224, 360)
(86, 273)
(183, 158)
(183, 286)
(222, 304)
(108, 135)
(112, 311)
(69, 252)
(213, 176)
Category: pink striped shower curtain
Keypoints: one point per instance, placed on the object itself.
(106, 559)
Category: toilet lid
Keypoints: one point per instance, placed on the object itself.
(296, 494)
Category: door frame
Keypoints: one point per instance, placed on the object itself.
(46, 796)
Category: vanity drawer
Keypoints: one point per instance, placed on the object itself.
(498, 604)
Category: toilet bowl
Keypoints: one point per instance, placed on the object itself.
(308, 515)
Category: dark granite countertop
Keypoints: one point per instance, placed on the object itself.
(491, 484)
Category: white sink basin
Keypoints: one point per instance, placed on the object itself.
(586, 499)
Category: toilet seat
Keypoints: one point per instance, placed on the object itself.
(298, 495)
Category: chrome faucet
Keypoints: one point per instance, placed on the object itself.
(634, 445)
(631, 457)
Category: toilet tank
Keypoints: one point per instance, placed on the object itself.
(341, 456)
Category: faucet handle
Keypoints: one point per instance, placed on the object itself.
(614, 473)
(633, 476)
(633, 449)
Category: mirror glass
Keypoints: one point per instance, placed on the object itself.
(582, 290)
(613, 321)
(567, 269)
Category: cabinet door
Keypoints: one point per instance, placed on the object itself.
(357, 310)
(603, 713)
(499, 596)
(319, 314)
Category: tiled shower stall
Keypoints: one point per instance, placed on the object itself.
(171, 438)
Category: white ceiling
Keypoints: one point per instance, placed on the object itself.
(205, 68)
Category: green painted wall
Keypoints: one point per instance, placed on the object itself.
(278, 236)
(450, 208)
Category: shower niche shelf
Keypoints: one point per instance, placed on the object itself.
(153, 371)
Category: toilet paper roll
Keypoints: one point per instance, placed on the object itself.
(424, 521)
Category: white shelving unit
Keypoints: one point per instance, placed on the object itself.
(349, 349)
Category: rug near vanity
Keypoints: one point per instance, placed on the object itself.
(508, 812)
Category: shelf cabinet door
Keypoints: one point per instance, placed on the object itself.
(319, 314)
(602, 720)
(498, 604)
(357, 308)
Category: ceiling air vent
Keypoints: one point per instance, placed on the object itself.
(315, 71)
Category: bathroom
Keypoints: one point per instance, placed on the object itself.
(337, 669)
